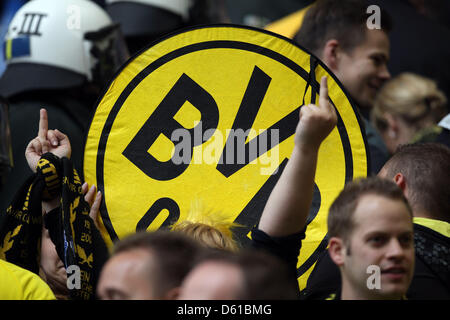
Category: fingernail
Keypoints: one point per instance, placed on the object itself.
(55, 143)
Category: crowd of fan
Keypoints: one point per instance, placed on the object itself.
(397, 219)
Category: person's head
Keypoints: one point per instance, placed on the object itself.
(208, 235)
(370, 226)
(213, 229)
(406, 105)
(337, 33)
(246, 275)
(61, 45)
(52, 269)
(216, 276)
(147, 266)
(422, 170)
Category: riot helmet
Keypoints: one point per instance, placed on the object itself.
(143, 21)
(60, 44)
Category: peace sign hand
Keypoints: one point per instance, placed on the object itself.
(52, 141)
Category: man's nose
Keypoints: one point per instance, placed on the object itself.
(384, 73)
(395, 250)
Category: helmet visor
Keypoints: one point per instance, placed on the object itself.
(108, 51)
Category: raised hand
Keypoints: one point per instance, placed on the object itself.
(93, 199)
(52, 141)
(287, 208)
(316, 121)
(59, 143)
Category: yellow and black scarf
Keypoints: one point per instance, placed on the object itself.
(78, 242)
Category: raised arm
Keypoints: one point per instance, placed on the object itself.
(21, 224)
(288, 205)
(52, 141)
(58, 143)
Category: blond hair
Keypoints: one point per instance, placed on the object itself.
(212, 229)
(412, 97)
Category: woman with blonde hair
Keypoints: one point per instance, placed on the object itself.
(211, 229)
(407, 109)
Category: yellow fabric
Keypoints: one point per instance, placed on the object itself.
(289, 25)
(8, 53)
(439, 226)
(331, 297)
(20, 284)
(220, 60)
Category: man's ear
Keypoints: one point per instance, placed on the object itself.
(400, 180)
(172, 294)
(336, 250)
(330, 54)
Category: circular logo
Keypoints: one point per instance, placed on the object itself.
(208, 116)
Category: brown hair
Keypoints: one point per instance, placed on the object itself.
(343, 20)
(174, 254)
(426, 168)
(340, 216)
(265, 277)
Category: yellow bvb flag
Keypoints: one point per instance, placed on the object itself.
(208, 115)
(289, 25)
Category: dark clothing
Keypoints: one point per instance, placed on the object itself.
(67, 114)
(324, 280)
(432, 272)
(431, 278)
(378, 153)
(444, 137)
(435, 134)
(287, 248)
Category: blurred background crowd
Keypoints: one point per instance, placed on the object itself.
(402, 96)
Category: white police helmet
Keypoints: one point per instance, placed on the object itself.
(148, 17)
(60, 44)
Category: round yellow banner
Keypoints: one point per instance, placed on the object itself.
(208, 116)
